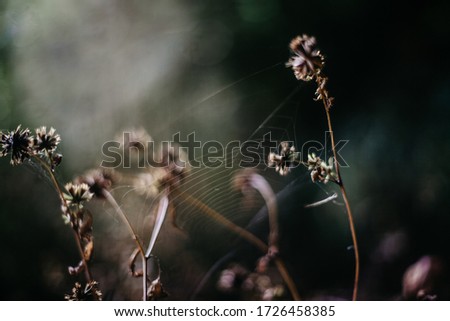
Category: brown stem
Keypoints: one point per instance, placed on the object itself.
(243, 233)
(87, 272)
(260, 184)
(327, 106)
(355, 242)
(135, 237)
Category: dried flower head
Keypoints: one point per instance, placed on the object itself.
(136, 144)
(17, 142)
(46, 140)
(78, 194)
(321, 171)
(176, 167)
(285, 160)
(307, 59)
(89, 293)
(98, 180)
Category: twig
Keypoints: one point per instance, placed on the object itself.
(135, 237)
(327, 105)
(324, 201)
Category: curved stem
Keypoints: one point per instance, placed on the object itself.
(261, 185)
(243, 233)
(135, 237)
(344, 196)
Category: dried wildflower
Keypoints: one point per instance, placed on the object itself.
(17, 142)
(98, 180)
(89, 293)
(46, 140)
(78, 194)
(307, 60)
(285, 160)
(321, 171)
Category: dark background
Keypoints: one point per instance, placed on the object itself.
(388, 69)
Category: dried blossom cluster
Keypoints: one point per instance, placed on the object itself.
(89, 293)
(285, 160)
(307, 60)
(22, 145)
(41, 147)
(321, 171)
(80, 219)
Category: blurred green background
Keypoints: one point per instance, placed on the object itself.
(93, 68)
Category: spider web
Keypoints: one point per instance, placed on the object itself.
(213, 186)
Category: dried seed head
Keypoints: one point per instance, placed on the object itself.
(321, 171)
(98, 180)
(18, 142)
(285, 160)
(46, 140)
(307, 60)
(77, 194)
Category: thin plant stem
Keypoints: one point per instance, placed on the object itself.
(243, 233)
(87, 272)
(135, 237)
(260, 184)
(344, 196)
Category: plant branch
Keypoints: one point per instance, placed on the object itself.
(135, 237)
(327, 105)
